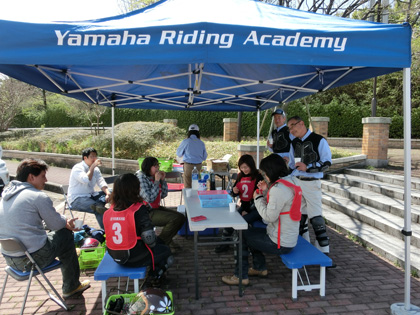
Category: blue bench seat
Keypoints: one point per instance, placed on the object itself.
(305, 254)
(108, 268)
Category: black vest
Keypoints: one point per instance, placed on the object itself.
(281, 140)
(307, 149)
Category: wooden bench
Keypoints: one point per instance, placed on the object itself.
(305, 254)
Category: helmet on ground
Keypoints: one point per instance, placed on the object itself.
(152, 301)
(99, 235)
(90, 243)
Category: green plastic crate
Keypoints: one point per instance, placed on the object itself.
(140, 160)
(166, 165)
(91, 257)
(132, 296)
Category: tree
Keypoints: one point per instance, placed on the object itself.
(14, 95)
(131, 5)
(92, 112)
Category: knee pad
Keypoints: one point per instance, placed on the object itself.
(149, 237)
(303, 226)
(318, 224)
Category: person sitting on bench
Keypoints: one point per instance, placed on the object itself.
(244, 187)
(278, 203)
(131, 239)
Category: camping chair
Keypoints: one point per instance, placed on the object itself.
(173, 187)
(13, 245)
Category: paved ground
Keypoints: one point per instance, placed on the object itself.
(362, 283)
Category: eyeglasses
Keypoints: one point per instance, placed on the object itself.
(293, 125)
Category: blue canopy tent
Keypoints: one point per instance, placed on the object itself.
(220, 55)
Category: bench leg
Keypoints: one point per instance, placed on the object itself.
(294, 284)
(103, 295)
(322, 281)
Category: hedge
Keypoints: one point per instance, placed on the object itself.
(344, 113)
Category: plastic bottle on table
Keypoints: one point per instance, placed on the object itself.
(194, 177)
(212, 180)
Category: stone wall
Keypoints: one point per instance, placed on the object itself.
(67, 161)
(357, 143)
(124, 166)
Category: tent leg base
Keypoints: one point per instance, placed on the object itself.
(399, 309)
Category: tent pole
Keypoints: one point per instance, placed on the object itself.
(258, 139)
(406, 307)
(113, 139)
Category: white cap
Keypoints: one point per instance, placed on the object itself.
(193, 127)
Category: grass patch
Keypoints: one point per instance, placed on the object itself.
(132, 140)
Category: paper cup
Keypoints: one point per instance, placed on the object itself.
(232, 207)
(270, 141)
(188, 192)
(78, 224)
(297, 160)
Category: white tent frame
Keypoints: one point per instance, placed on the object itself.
(196, 77)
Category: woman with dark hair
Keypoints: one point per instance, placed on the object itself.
(244, 187)
(131, 239)
(193, 152)
(153, 188)
(278, 203)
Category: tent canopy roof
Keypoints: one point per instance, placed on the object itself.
(224, 55)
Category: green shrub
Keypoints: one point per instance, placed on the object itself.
(344, 106)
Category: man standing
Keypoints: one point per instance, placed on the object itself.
(24, 209)
(84, 177)
(310, 157)
(193, 152)
(280, 138)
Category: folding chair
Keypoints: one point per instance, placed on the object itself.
(64, 190)
(110, 179)
(67, 206)
(13, 245)
(173, 187)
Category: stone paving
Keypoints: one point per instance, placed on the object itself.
(362, 283)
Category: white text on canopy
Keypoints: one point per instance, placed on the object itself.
(200, 37)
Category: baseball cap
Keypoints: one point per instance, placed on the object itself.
(193, 127)
(278, 112)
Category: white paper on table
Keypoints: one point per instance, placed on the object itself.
(226, 158)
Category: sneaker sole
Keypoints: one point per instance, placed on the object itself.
(66, 296)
